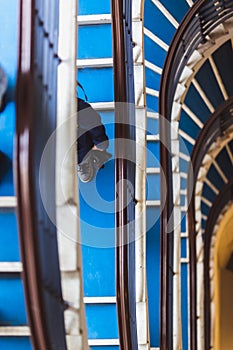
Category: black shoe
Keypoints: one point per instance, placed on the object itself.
(86, 170)
(99, 158)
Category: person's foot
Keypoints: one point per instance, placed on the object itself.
(100, 157)
(86, 170)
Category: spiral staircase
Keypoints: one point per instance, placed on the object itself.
(183, 87)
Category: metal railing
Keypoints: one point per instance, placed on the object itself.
(36, 103)
(203, 17)
(124, 172)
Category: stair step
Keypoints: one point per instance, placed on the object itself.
(99, 300)
(18, 331)
(94, 19)
(94, 63)
(8, 202)
(153, 203)
(11, 267)
(103, 342)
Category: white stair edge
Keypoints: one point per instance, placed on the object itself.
(99, 300)
(18, 331)
(103, 106)
(8, 202)
(156, 39)
(152, 137)
(166, 13)
(153, 171)
(94, 19)
(6, 267)
(103, 342)
(153, 203)
(95, 63)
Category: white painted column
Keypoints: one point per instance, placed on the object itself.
(140, 190)
(66, 180)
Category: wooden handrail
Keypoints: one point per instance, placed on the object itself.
(36, 120)
(124, 170)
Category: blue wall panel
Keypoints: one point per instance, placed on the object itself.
(210, 85)
(101, 321)
(95, 41)
(184, 304)
(9, 245)
(214, 177)
(183, 222)
(153, 186)
(153, 154)
(182, 200)
(98, 271)
(194, 101)
(93, 7)
(152, 127)
(98, 83)
(12, 308)
(183, 183)
(152, 79)
(153, 274)
(185, 146)
(188, 125)
(7, 129)
(184, 166)
(15, 343)
(157, 23)
(183, 247)
(152, 103)
(177, 8)
(154, 53)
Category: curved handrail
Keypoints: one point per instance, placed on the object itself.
(36, 120)
(194, 28)
(201, 19)
(224, 197)
(217, 124)
(124, 170)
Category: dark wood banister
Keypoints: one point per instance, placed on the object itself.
(125, 269)
(24, 106)
(41, 274)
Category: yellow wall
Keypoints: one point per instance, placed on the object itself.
(223, 285)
